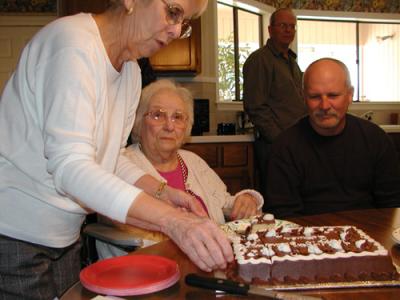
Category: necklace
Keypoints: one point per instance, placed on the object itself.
(184, 171)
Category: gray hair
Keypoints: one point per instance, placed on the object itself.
(336, 61)
(150, 91)
(201, 5)
(272, 18)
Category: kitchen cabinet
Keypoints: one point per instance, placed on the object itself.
(233, 162)
(181, 57)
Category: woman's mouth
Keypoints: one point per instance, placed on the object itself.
(161, 44)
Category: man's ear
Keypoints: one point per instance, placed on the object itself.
(351, 94)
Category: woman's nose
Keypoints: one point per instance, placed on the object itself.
(174, 31)
(169, 124)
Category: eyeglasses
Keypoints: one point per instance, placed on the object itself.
(161, 117)
(285, 26)
(174, 16)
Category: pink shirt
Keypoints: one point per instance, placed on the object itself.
(175, 179)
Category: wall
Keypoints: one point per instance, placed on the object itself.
(379, 6)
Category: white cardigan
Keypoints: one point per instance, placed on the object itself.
(202, 180)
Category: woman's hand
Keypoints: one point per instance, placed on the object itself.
(245, 206)
(184, 201)
(201, 240)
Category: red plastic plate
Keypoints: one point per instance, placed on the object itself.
(130, 275)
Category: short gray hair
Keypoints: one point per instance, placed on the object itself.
(201, 5)
(150, 91)
(336, 61)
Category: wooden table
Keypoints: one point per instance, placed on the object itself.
(378, 223)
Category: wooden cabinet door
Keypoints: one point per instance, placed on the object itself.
(181, 55)
(233, 162)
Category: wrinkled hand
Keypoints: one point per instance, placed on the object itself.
(200, 238)
(245, 206)
(184, 201)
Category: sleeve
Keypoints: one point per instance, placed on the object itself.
(259, 198)
(208, 180)
(257, 81)
(72, 86)
(283, 184)
(387, 174)
(127, 170)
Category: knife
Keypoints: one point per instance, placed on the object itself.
(233, 287)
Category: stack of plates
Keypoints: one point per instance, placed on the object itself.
(130, 275)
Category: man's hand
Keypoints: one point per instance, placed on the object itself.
(200, 238)
(245, 206)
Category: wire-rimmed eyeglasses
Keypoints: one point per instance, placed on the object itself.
(160, 117)
(174, 16)
(285, 26)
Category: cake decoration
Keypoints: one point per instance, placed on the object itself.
(312, 254)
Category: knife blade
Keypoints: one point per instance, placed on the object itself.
(237, 288)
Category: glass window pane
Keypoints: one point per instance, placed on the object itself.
(226, 53)
(249, 40)
(379, 61)
(317, 39)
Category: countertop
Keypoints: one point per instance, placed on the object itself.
(237, 138)
(391, 128)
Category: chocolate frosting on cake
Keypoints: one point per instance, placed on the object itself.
(310, 255)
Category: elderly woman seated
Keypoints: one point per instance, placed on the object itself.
(164, 119)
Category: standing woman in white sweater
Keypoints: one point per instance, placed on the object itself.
(65, 115)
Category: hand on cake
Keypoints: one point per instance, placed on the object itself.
(201, 240)
(245, 206)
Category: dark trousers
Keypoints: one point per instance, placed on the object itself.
(262, 149)
(30, 271)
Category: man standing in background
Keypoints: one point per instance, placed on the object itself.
(272, 92)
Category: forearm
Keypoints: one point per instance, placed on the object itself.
(150, 213)
(151, 186)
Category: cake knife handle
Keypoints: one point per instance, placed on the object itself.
(217, 284)
(232, 287)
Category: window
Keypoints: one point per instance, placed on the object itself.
(370, 51)
(239, 34)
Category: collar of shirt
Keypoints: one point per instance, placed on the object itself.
(276, 52)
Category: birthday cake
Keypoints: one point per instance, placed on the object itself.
(296, 254)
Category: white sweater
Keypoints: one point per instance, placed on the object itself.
(202, 180)
(65, 115)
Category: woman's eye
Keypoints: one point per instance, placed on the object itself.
(157, 115)
(177, 117)
(175, 14)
